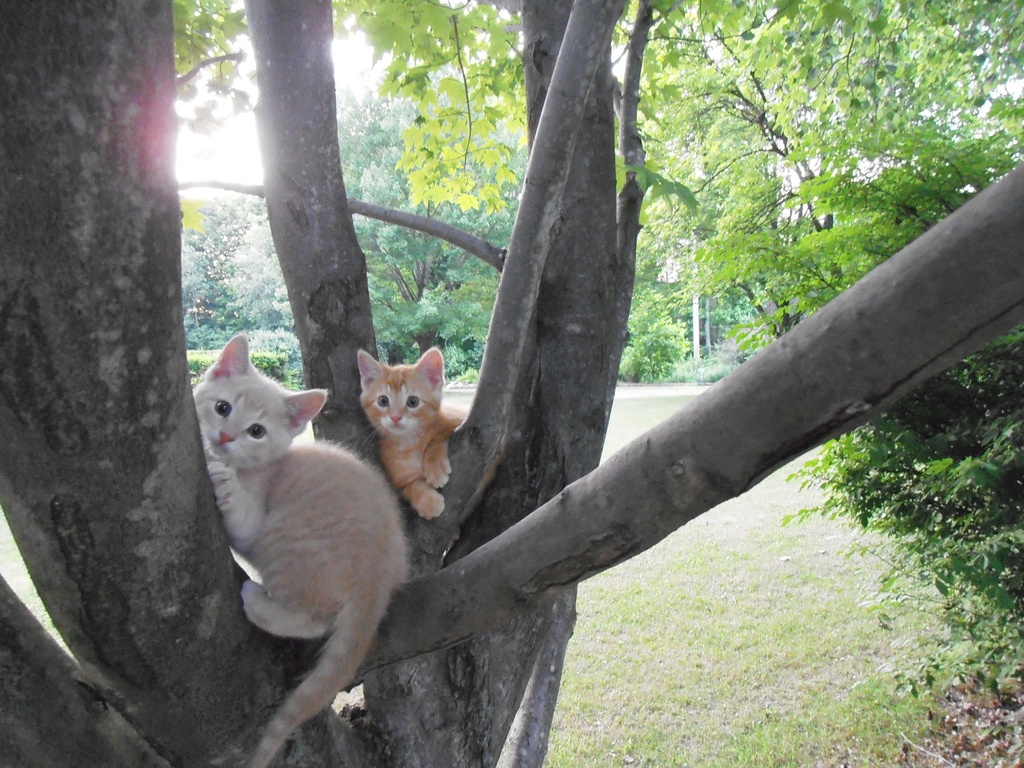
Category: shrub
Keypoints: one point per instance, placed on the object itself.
(656, 343)
(941, 475)
(273, 364)
(722, 361)
(462, 361)
(198, 361)
(281, 343)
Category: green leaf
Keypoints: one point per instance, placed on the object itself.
(832, 12)
(786, 9)
(937, 467)
(191, 217)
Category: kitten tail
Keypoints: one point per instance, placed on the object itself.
(354, 630)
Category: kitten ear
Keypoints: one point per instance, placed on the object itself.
(431, 367)
(233, 359)
(303, 406)
(369, 369)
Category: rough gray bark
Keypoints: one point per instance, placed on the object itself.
(323, 266)
(584, 49)
(527, 742)
(42, 686)
(101, 471)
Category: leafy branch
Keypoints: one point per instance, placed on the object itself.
(465, 88)
(194, 72)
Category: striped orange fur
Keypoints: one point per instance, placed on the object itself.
(403, 403)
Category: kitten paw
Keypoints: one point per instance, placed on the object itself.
(223, 478)
(437, 473)
(430, 506)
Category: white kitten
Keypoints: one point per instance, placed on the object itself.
(322, 528)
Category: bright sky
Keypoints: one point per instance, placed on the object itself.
(232, 154)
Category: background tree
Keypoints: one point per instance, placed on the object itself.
(820, 139)
(425, 291)
(101, 469)
(211, 273)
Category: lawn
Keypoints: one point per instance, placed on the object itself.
(735, 642)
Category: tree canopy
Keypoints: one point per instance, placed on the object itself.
(821, 137)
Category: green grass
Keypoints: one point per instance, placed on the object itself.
(735, 642)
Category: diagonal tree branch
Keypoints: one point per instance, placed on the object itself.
(939, 299)
(324, 268)
(40, 679)
(228, 186)
(476, 446)
(471, 244)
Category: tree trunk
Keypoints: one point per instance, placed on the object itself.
(323, 266)
(458, 705)
(42, 686)
(102, 475)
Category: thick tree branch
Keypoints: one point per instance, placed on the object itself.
(939, 299)
(555, 433)
(39, 679)
(471, 244)
(476, 446)
(527, 742)
(323, 266)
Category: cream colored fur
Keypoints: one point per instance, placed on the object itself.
(322, 528)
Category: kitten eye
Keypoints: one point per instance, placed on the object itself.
(257, 431)
(222, 408)
(413, 402)
(383, 401)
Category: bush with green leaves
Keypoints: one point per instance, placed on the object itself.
(273, 364)
(283, 346)
(656, 341)
(941, 475)
(713, 366)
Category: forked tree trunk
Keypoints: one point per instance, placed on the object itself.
(459, 704)
(101, 469)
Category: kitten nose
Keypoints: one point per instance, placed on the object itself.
(396, 417)
(225, 438)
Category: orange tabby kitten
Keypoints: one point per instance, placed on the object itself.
(403, 402)
(322, 528)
